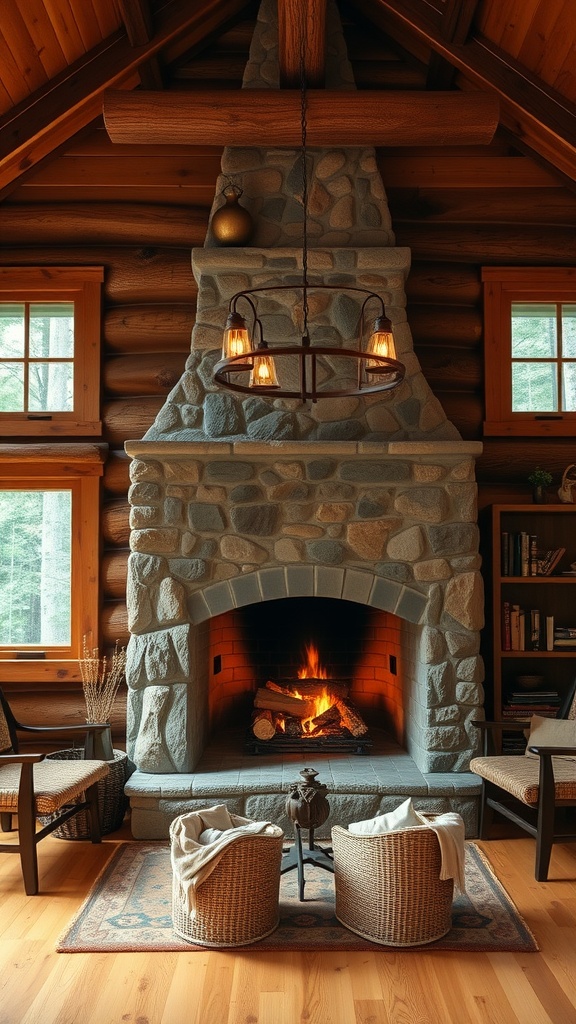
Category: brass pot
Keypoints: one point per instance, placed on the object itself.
(231, 224)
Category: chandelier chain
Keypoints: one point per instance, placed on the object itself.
(304, 128)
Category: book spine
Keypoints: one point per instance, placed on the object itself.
(515, 627)
(535, 629)
(517, 562)
(533, 555)
(549, 632)
(524, 554)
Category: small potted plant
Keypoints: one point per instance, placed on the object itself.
(540, 480)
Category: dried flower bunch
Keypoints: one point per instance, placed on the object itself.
(101, 678)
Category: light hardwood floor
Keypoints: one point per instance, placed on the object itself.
(39, 986)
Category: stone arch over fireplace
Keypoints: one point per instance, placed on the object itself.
(169, 669)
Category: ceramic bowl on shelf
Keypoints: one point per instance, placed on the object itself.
(530, 682)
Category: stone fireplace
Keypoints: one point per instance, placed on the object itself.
(250, 503)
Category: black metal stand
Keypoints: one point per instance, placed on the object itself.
(297, 858)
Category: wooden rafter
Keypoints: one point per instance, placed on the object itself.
(541, 119)
(268, 117)
(457, 20)
(295, 18)
(53, 114)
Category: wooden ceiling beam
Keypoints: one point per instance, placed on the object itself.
(52, 115)
(541, 119)
(268, 117)
(297, 18)
(457, 21)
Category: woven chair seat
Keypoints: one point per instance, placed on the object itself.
(388, 886)
(55, 783)
(519, 776)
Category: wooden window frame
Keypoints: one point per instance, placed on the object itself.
(83, 287)
(502, 287)
(77, 467)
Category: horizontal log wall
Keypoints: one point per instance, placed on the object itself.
(139, 211)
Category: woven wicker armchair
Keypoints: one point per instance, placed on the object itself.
(32, 786)
(533, 792)
(388, 886)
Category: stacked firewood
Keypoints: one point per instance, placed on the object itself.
(277, 711)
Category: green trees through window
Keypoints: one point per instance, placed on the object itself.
(36, 357)
(543, 357)
(35, 567)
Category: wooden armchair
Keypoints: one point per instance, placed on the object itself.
(31, 786)
(536, 792)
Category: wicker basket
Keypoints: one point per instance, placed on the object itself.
(388, 887)
(238, 903)
(112, 802)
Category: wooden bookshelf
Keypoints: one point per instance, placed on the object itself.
(511, 653)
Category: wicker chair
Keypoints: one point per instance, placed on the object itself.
(533, 792)
(388, 886)
(237, 904)
(32, 786)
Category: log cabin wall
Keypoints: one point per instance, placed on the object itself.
(139, 210)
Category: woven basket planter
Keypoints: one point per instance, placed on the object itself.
(238, 903)
(112, 801)
(388, 887)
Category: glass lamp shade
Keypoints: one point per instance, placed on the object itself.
(381, 343)
(263, 374)
(236, 340)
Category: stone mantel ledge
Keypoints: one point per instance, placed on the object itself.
(390, 449)
(382, 259)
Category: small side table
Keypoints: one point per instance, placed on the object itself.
(308, 808)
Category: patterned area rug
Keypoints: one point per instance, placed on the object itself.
(129, 909)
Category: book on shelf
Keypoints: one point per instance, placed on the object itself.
(534, 629)
(521, 628)
(521, 556)
(549, 632)
(549, 560)
(565, 633)
(568, 644)
(517, 628)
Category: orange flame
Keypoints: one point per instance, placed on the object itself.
(312, 669)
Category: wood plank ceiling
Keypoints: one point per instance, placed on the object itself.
(58, 58)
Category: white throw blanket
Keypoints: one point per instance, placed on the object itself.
(195, 856)
(450, 830)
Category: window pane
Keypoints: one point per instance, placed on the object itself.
(52, 330)
(569, 387)
(11, 330)
(533, 330)
(11, 387)
(569, 331)
(534, 387)
(50, 387)
(35, 568)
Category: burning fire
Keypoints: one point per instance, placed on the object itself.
(312, 669)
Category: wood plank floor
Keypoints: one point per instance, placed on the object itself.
(39, 986)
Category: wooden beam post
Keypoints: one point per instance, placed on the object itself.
(266, 117)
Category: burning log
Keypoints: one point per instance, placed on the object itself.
(327, 730)
(273, 701)
(292, 727)
(350, 719)
(264, 725)
(327, 718)
(312, 687)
